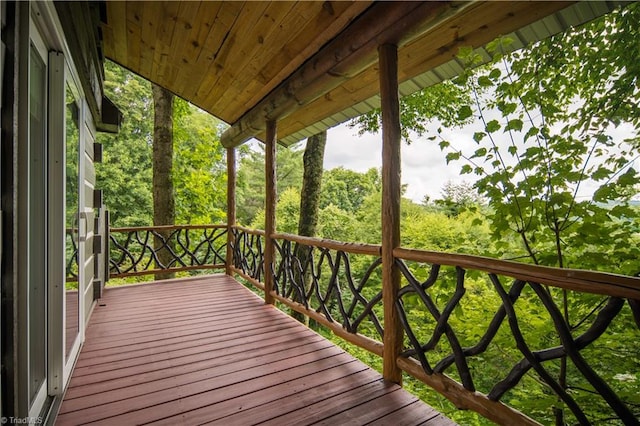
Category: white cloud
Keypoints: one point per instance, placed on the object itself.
(424, 168)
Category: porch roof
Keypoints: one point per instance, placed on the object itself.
(310, 65)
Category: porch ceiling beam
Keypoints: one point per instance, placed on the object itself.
(351, 52)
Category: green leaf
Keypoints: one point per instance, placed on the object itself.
(531, 132)
(629, 178)
(464, 112)
(478, 136)
(507, 108)
(453, 156)
(493, 126)
(484, 81)
(480, 152)
(603, 194)
(515, 124)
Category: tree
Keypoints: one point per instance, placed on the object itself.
(347, 189)
(199, 166)
(310, 204)
(418, 110)
(287, 212)
(550, 138)
(250, 181)
(311, 184)
(457, 198)
(125, 173)
(164, 211)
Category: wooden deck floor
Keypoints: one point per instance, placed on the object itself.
(208, 351)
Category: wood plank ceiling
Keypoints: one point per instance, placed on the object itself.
(222, 56)
(238, 60)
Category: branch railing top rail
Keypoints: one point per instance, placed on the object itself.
(353, 248)
(544, 326)
(167, 227)
(571, 279)
(249, 230)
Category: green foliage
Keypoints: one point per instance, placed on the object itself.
(336, 224)
(251, 183)
(458, 198)
(466, 233)
(421, 108)
(200, 175)
(558, 111)
(347, 189)
(126, 171)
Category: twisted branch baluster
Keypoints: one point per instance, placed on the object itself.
(530, 356)
(574, 353)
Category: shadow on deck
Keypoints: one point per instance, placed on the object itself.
(207, 350)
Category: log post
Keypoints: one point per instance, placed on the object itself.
(391, 193)
(269, 208)
(231, 207)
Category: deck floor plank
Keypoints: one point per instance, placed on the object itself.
(208, 351)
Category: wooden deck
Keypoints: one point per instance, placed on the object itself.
(208, 351)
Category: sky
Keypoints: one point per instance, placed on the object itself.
(424, 168)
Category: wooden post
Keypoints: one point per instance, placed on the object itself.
(391, 193)
(231, 206)
(269, 208)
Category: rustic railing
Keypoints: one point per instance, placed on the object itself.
(190, 247)
(319, 278)
(480, 331)
(132, 251)
(248, 254)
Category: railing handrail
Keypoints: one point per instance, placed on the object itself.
(588, 281)
(188, 252)
(584, 280)
(249, 230)
(166, 227)
(354, 248)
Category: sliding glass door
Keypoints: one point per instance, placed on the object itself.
(72, 159)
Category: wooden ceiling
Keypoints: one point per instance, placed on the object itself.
(296, 62)
(222, 56)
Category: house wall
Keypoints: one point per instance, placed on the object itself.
(24, 23)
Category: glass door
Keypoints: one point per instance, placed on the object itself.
(72, 142)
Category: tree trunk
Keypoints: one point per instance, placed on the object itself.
(310, 202)
(163, 196)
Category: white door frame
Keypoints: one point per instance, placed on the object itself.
(40, 29)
